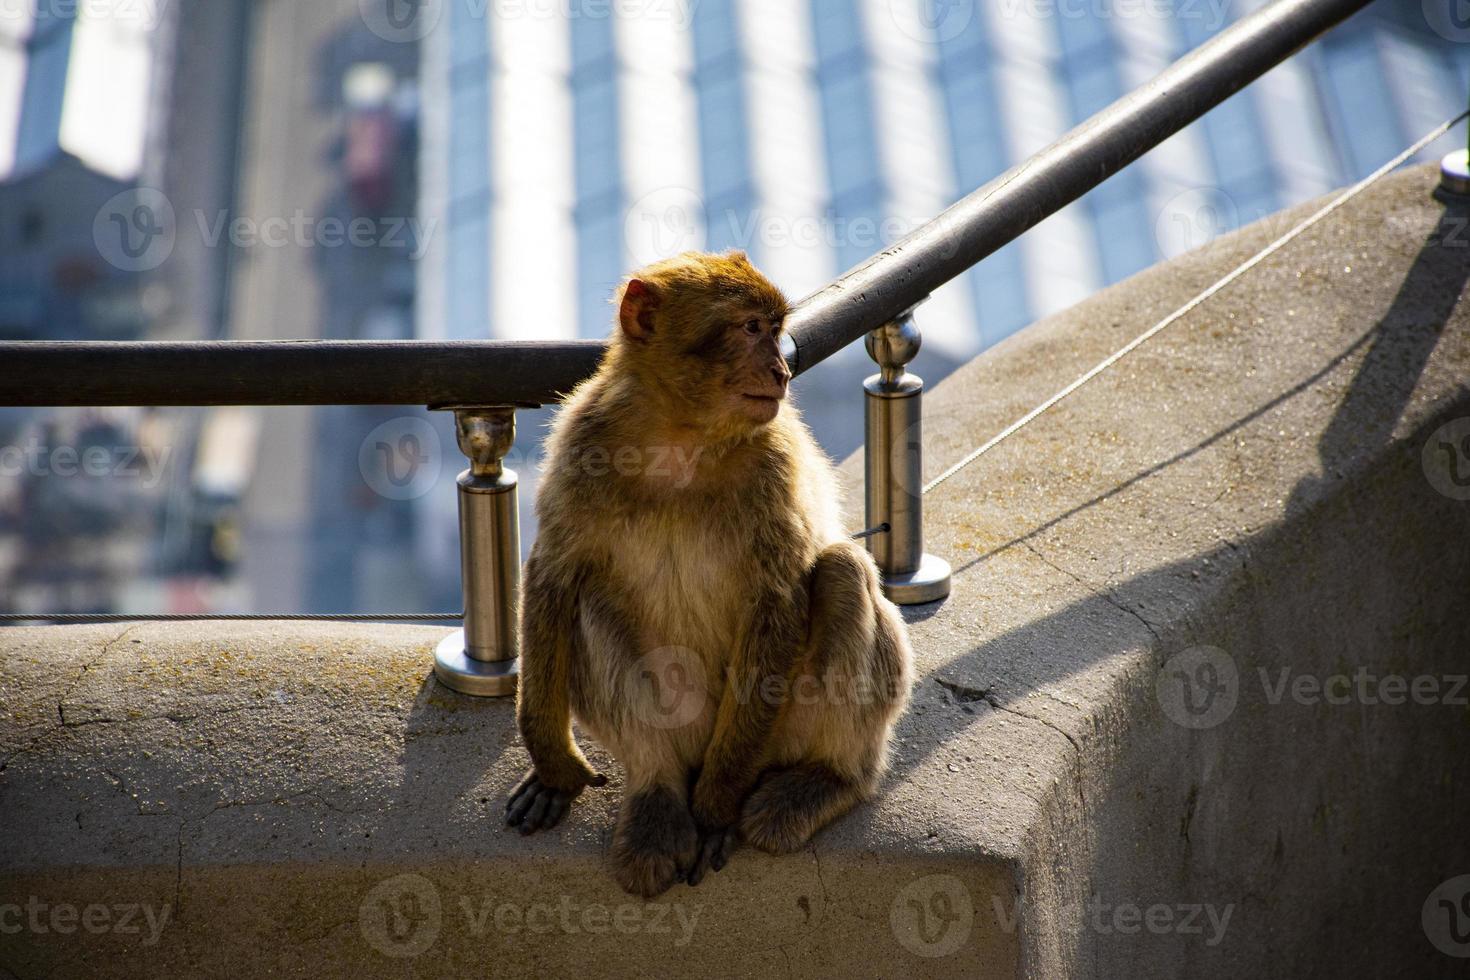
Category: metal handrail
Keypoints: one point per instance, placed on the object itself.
(292, 372)
(39, 373)
(902, 275)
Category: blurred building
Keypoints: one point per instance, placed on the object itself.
(118, 126)
(328, 143)
(77, 94)
(564, 146)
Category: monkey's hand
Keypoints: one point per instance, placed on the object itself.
(716, 811)
(536, 805)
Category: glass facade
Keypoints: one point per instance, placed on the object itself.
(724, 137)
(979, 143)
(598, 211)
(466, 303)
(1007, 78)
(851, 141)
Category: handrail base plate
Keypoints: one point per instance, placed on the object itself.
(458, 671)
(928, 583)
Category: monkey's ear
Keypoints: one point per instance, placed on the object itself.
(635, 314)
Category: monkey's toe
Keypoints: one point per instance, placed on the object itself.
(775, 827)
(715, 847)
(647, 875)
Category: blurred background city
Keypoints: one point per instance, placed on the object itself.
(371, 169)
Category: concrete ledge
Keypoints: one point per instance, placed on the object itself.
(1247, 493)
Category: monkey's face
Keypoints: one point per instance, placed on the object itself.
(707, 330)
(757, 384)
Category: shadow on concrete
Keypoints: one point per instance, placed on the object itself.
(1302, 816)
(1404, 340)
(1401, 343)
(444, 731)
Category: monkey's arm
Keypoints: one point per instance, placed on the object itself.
(559, 771)
(746, 721)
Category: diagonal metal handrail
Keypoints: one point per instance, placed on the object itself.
(37, 373)
(901, 276)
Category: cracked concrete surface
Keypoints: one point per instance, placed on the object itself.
(307, 801)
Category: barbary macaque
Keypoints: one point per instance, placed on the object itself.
(709, 623)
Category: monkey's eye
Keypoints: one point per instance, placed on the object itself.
(752, 327)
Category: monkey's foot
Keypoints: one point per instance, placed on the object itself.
(791, 805)
(655, 844)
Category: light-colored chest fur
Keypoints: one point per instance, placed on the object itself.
(691, 577)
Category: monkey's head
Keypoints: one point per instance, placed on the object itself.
(704, 331)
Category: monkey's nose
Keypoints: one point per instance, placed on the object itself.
(782, 374)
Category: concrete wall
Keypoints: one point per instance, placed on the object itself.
(1094, 779)
(1261, 489)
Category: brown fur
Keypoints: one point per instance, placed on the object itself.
(712, 627)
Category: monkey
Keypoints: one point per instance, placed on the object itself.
(708, 623)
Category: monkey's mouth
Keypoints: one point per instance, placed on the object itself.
(772, 399)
